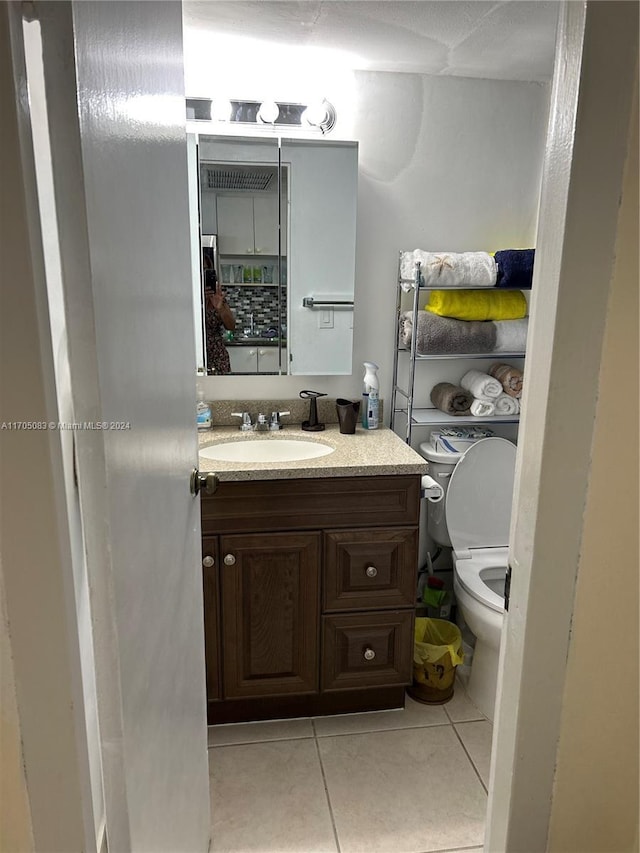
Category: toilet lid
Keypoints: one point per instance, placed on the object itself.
(478, 501)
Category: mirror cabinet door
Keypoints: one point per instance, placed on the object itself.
(239, 182)
(322, 253)
(275, 220)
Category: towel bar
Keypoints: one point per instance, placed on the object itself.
(310, 302)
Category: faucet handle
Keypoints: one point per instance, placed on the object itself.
(246, 420)
(275, 420)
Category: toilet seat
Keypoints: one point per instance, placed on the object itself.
(478, 512)
(479, 497)
(483, 575)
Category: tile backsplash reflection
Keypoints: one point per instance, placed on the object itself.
(262, 302)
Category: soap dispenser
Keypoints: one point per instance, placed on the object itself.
(370, 401)
(203, 410)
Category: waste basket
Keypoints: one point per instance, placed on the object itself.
(437, 651)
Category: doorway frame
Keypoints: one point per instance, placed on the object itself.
(591, 63)
(592, 94)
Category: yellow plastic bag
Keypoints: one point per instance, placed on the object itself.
(434, 636)
(437, 650)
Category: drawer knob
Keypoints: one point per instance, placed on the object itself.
(371, 571)
(369, 654)
(229, 560)
(207, 562)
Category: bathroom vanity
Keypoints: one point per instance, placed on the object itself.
(309, 572)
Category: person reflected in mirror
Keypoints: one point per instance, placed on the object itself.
(218, 317)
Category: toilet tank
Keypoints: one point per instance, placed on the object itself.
(441, 465)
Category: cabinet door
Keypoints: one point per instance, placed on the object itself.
(210, 565)
(270, 614)
(268, 360)
(235, 225)
(243, 359)
(265, 223)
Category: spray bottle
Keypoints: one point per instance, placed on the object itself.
(370, 402)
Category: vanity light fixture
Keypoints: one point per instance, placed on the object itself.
(319, 115)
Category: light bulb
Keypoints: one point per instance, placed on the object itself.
(268, 112)
(316, 113)
(221, 110)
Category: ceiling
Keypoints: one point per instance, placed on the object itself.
(506, 41)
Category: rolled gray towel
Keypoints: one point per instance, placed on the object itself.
(438, 335)
(451, 399)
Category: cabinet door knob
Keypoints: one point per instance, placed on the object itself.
(229, 560)
(371, 571)
(369, 654)
(207, 562)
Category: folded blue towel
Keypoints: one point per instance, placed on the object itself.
(515, 268)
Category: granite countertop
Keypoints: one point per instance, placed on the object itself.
(365, 453)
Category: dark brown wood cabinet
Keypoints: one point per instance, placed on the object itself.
(270, 592)
(309, 593)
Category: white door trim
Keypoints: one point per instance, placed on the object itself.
(596, 65)
(37, 554)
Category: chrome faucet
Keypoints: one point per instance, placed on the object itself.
(249, 331)
(262, 425)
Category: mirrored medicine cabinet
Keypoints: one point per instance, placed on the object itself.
(276, 220)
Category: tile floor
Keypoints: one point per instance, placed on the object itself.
(410, 781)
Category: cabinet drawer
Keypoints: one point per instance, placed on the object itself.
(370, 568)
(367, 650)
(325, 503)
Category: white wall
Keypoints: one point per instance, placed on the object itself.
(445, 163)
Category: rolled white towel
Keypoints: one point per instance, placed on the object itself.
(506, 405)
(449, 269)
(481, 385)
(482, 408)
(511, 335)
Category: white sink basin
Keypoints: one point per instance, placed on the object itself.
(266, 450)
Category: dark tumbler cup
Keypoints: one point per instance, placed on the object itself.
(347, 415)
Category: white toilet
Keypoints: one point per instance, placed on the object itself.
(475, 523)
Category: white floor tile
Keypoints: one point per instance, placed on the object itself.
(414, 714)
(255, 732)
(460, 708)
(405, 791)
(476, 738)
(269, 798)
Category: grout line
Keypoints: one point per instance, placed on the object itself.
(454, 849)
(266, 740)
(326, 788)
(382, 731)
(471, 759)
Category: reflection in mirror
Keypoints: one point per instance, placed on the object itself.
(276, 223)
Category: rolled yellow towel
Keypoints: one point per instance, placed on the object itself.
(478, 304)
